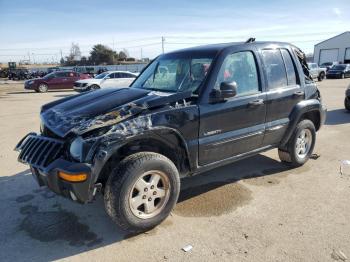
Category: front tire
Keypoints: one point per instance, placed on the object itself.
(347, 103)
(141, 191)
(43, 88)
(94, 87)
(301, 144)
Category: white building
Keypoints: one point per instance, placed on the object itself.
(335, 49)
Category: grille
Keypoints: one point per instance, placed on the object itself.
(39, 151)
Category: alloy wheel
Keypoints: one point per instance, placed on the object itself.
(150, 194)
(303, 143)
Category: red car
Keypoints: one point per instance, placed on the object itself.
(54, 80)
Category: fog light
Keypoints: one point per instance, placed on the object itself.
(72, 177)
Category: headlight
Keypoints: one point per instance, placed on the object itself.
(76, 148)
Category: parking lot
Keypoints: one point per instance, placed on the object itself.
(254, 210)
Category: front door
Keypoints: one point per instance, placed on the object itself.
(58, 81)
(237, 125)
(284, 92)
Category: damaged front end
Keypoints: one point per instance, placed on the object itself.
(73, 147)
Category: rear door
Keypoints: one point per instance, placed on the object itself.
(72, 77)
(284, 92)
(127, 79)
(236, 125)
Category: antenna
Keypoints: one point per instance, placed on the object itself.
(250, 40)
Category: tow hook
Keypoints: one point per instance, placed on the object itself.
(97, 189)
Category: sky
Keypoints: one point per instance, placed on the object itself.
(42, 29)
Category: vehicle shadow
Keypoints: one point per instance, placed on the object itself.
(56, 228)
(337, 117)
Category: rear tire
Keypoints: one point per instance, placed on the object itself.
(321, 76)
(347, 103)
(142, 191)
(300, 145)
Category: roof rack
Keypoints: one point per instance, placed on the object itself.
(250, 40)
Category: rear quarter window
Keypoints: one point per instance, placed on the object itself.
(274, 68)
(290, 67)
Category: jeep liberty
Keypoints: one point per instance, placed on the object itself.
(188, 111)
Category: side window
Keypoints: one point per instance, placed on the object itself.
(241, 68)
(113, 75)
(70, 74)
(60, 74)
(274, 67)
(290, 68)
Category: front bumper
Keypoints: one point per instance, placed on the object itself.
(81, 88)
(81, 192)
(333, 75)
(43, 155)
(28, 86)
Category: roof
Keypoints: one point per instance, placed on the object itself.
(213, 48)
(346, 32)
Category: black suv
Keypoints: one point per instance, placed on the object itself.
(187, 112)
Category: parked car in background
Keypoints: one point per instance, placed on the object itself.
(316, 71)
(54, 80)
(106, 79)
(328, 65)
(19, 74)
(347, 99)
(89, 70)
(339, 71)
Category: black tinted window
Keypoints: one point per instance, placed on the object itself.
(274, 67)
(113, 75)
(291, 76)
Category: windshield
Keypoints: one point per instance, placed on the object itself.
(50, 75)
(339, 67)
(174, 74)
(100, 76)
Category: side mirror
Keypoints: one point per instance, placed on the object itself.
(228, 89)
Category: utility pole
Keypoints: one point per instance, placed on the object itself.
(33, 58)
(29, 56)
(61, 53)
(163, 40)
(141, 54)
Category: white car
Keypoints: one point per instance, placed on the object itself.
(106, 79)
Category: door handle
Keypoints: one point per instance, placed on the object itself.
(256, 102)
(299, 93)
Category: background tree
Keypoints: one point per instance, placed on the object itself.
(123, 55)
(74, 55)
(83, 61)
(101, 54)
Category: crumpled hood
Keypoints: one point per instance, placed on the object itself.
(85, 112)
(71, 113)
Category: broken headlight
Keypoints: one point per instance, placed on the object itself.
(76, 148)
